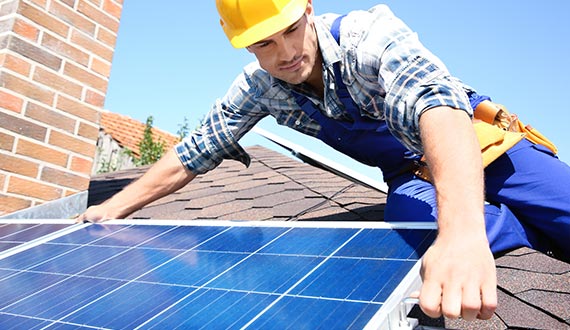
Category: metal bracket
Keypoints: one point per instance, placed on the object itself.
(406, 323)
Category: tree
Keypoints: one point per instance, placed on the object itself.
(150, 150)
(183, 129)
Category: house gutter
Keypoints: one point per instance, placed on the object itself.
(62, 208)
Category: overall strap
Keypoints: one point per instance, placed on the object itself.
(335, 31)
(335, 28)
(341, 89)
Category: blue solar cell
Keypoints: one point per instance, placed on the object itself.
(414, 243)
(89, 234)
(6, 273)
(301, 241)
(193, 268)
(20, 285)
(12, 235)
(79, 259)
(34, 256)
(33, 232)
(424, 245)
(129, 306)
(50, 303)
(10, 229)
(6, 246)
(244, 307)
(349, 316)
(132, 235)
(186, 237)
(351, 278)
(303, 313)
(66, 326)
(242, 239)
(266, 273)
(213, 309)
(397, 275)
(17, 322)
(385, 243)
(131, 264)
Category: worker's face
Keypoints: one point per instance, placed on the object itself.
(290, 54)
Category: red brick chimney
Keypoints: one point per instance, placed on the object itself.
(55, 62)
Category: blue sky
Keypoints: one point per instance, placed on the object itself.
(173, 61)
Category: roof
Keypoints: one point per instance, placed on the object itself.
(128, 132)
(534, 289)
(274, 187)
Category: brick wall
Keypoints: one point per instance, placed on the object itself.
(55, 62)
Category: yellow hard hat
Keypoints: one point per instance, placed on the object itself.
(246, 22)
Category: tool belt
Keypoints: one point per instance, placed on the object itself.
(497, 131)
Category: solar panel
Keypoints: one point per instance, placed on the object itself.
(227, 275)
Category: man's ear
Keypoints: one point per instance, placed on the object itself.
(309, 12)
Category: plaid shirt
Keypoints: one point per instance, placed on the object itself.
(388, 72)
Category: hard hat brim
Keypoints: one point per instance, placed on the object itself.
(288, 15)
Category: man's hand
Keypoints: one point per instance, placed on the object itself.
(459, 278)
(97, 213)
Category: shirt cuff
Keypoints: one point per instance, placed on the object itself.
(209, 145)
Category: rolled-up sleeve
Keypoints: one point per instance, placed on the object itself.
(217, 137)
(413, 79)
(419, 88)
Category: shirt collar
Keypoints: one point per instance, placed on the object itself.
(330, 50)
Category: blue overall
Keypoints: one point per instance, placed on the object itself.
(527, 189)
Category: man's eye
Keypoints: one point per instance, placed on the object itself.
(260, 45)
(293, 30)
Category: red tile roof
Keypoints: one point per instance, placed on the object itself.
(128, 132)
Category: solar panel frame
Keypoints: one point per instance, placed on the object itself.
(282, 297)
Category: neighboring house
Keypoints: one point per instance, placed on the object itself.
(118, 142)
(534, 289)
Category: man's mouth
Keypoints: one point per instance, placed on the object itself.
(293, 66)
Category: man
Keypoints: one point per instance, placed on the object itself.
(364, 84)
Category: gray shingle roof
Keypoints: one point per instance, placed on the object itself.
(274, 187)
(534, 289)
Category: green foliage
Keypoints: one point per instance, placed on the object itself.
(115, 161)
(106, 167)
(183, 129)
(150, 150)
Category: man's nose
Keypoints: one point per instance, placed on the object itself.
(285, 50)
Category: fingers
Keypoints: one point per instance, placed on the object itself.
(455, 302)
(489, 301)
(80, 218)
(430, 299)
(468, 305)
(456, 286)
(92, 214)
